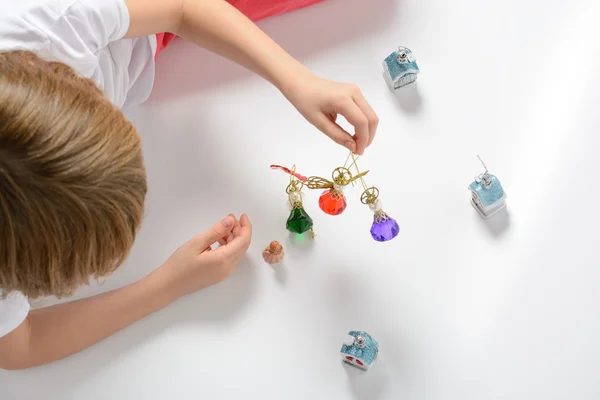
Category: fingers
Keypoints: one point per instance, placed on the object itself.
(336, 133)
(358, 112)
(218, 231)
(236, 227)
(368, 111)
(353, 114)
(236, 248)
(245, 224)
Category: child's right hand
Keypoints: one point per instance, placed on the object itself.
(195, 265)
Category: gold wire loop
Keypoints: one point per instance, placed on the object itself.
(341, 176)
(359, 176)
(370, 195)
(292, 177)
(294, 186)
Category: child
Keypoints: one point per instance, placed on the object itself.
(72, 179)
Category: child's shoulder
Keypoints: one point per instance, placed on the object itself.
(20, 24)
(31, 24)
(13, 311)
(86, 35)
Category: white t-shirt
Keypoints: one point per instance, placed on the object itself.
(13, 311)
(88, 36)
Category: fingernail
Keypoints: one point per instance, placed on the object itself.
(350, 145)
(228, 222)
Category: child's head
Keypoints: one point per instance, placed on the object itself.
(72, 179)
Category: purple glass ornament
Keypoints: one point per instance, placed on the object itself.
(384, 229)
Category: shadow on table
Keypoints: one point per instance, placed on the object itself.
(409, 99)
(216, 305)
(497, 224)
(281, 273)
(183, 69)
(300, 245)
(368, 385)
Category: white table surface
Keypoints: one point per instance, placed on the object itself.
(462, 309)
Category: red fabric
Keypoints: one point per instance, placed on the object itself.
(162, 41)
(259, 9)
(253, 9)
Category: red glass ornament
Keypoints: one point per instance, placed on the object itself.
(332, 202)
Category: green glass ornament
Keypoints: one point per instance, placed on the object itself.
(299, 221)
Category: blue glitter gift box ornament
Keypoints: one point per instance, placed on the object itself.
(400, 68)
(487, 195)
(359, 349)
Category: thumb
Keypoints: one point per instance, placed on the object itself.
(212, 235)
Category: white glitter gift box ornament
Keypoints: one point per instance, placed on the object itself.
(400, 68)
(359, 349)
(487, 195)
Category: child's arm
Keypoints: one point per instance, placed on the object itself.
(219, 27)
(58, 331)
(55, 332)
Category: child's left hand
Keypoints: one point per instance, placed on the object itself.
(320, 101)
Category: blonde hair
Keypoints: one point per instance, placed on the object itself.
(72, 179)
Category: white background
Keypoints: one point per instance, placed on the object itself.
(462, 309)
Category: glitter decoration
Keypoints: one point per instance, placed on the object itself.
(487, 194)
(400, 68)
(359, 350)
